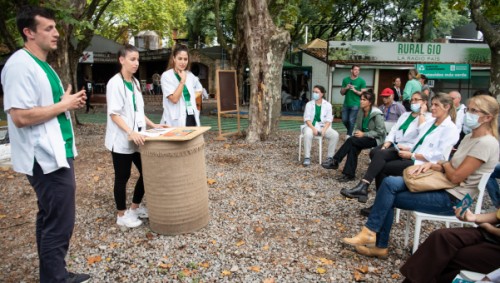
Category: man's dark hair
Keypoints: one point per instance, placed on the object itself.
(354, 66)
(26, 18)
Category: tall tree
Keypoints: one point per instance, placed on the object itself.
(482, 14)
(266, 47)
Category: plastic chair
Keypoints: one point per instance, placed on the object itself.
(420, 216)
(318, 138)
(446, 154)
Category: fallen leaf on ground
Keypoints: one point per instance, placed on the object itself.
(326, 261)
(254, 268)
(93, 259)
(240, 243)
(265, 248)
(358, 276)
(363, 269)
(204, 264)
(320, 270)
(269, 280)
(226, 273)
(395, 276)
(150, 236)
(96, 178)
(259, 229)
(211, 181)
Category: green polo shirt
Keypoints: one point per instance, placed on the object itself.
(352, 99)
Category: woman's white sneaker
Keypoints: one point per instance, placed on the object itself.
(129, 219)
(141, 211)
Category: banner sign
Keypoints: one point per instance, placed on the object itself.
(417, 52)
(444, 71)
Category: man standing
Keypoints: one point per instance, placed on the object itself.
(352, 87)
(42, 138)
(391, 110)
(412, 86)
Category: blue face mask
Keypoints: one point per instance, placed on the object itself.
(471, 120)
(415, 107)
(315, 96)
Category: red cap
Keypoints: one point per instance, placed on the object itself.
(387, 92)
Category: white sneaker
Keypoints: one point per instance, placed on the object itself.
(129, 219)
(141, 211)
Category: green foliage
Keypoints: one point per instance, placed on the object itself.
(131, 16)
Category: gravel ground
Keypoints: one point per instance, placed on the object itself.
(271, 220)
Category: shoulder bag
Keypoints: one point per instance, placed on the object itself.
(427, 181)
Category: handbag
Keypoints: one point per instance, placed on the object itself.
(429, 180)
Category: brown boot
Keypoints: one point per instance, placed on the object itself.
(365, 238)
(373, 252)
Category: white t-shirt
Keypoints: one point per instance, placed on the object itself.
(120, 102)
(484, 148)
(174, 114)
(26, 86)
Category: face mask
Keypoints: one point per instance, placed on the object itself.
(471, 120)
(315, 96)
(415, 107)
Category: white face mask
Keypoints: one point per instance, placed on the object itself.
(415, 107)
(315, 96)
(471, 120)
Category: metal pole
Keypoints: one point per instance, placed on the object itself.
(307, 30)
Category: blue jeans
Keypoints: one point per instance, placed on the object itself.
(492, 187)
(393, 193)
(349, 115)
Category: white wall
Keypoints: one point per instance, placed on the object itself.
(319, 76)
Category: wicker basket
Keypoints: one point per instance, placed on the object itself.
(175, 181)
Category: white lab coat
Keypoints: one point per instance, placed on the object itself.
(444, 136)
(407, 139)
(459, 121)
(326, 113)
(174, 114)
(120, 102)
(26, 86)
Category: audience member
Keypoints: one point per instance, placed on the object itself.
(412, 86)
(352, 87)
(477, 155)
(447, 251)
(369, 131)
(396, 88)
(391, 110)
(404, 134)
(318, 119)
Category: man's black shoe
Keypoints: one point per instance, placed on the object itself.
(345, 178)
(330, 163)
(360, 192)
(77, 278)
(366, 211)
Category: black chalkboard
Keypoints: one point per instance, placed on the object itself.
(227, 90)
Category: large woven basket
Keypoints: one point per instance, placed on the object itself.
(175, 181)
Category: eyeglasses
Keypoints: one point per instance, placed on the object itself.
(475, 111)
(416, 99)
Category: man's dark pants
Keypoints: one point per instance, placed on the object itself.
(55, 220)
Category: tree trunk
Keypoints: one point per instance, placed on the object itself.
(266, 47)
(426, 27)
(492, 37)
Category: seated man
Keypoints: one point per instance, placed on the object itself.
(391, 110)
(318, 119)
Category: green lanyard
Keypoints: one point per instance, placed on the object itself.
(407, 123)
(185, 92)
(130, 86)
(317, 114)
(422, 139)
(366, 120)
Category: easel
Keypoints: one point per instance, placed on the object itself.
(227, 99)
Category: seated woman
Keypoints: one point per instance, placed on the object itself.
(476, 155)
(369, 131)
(404, 134)
(318, 119)
(447, 251)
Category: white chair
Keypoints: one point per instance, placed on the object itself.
(446, 154)
(420, 216)
(318, 138)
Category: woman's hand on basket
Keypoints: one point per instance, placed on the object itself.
(421, 168)
(137, 138)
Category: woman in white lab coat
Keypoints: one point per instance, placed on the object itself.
(178, 87)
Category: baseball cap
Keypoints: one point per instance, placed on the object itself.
(387, 92)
